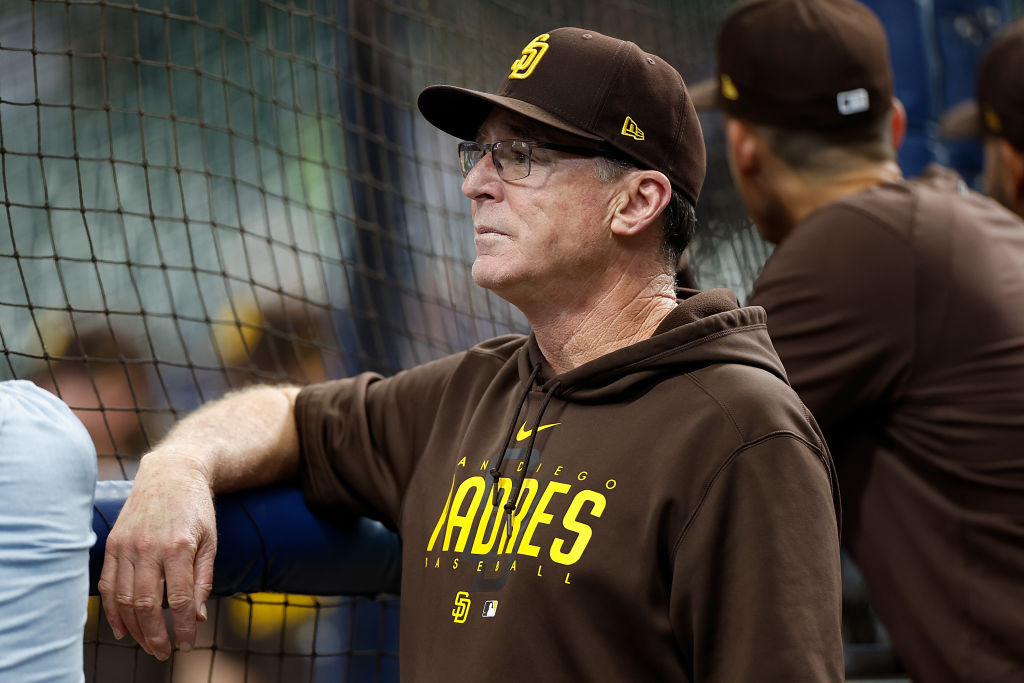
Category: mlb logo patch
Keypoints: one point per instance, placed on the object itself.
(853, 101)
(490, 608)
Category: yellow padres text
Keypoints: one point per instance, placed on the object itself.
(470, 520)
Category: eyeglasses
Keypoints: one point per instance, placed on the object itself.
(512, 157)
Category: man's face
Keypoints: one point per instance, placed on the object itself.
(753, 185)
(541, 236)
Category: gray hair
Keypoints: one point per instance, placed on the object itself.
(679, 219)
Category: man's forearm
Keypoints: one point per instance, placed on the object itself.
(244, 440)
(165, 539)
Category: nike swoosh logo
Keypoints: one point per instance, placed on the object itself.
(525, 433)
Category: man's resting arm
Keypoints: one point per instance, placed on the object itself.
(165, 538)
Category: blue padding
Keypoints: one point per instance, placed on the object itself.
(268, 540)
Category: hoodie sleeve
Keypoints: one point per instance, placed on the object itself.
(361, 438)
(756, 593)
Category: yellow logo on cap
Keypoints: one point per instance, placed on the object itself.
(630, 129)
(729, 90)
(534, 50)
(992, 121)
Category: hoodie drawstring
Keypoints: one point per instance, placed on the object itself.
(513, 499)
(495, 471)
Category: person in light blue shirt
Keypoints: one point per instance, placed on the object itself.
(47, 484)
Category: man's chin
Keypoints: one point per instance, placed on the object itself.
(489, 275)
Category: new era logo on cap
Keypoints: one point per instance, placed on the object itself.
(632, 130)
(729, 90)
(992, 121)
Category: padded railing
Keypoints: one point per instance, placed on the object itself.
(268, 540)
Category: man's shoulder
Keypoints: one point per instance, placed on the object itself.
(898, 212)
(481, 364)
(757, 402)
(32, 399)
(499, 348)
(937, 199)
(34, 421)
(887, 207)
(844, 236)
(475, 367)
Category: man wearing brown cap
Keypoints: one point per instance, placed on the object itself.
(631, 492)
(997, 117)
(897, 307)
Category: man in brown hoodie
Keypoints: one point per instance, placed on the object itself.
(630, 492)
(897, 307)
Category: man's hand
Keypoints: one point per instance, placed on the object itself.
(165, 537)
(166, 534)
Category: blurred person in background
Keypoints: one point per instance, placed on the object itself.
(98, 372)
(897, 307)
(996, 117)
(273, 341)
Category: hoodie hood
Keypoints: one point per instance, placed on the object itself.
(704, 329)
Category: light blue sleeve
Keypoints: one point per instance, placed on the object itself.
(47, 483)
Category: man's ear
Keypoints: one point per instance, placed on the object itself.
(644, 195)
(743, 153)
(898, 126)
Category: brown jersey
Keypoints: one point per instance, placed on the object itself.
(899, 315)
(664, 512)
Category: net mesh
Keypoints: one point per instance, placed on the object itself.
(202, 194)
(260, 638)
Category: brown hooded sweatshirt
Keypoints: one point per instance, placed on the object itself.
(899, 313)
(666, 512)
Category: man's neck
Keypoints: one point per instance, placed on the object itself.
(623, 316)
(806, 194)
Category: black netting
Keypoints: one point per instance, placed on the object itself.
(201, 194)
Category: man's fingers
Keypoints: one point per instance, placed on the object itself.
(155, 545)
(123, 599)
(106, 587)
(181, 599)
(133, 594)
(148, 608)
(203, 579)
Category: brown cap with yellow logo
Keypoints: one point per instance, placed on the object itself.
(598, 88)
(801, 64)
(999, 107)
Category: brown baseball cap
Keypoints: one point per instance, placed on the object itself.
(999, 105)
(802, 64)
(596, 87)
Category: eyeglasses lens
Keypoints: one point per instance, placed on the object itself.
(511, 158)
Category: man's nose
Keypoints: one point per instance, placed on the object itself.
(482, 179)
